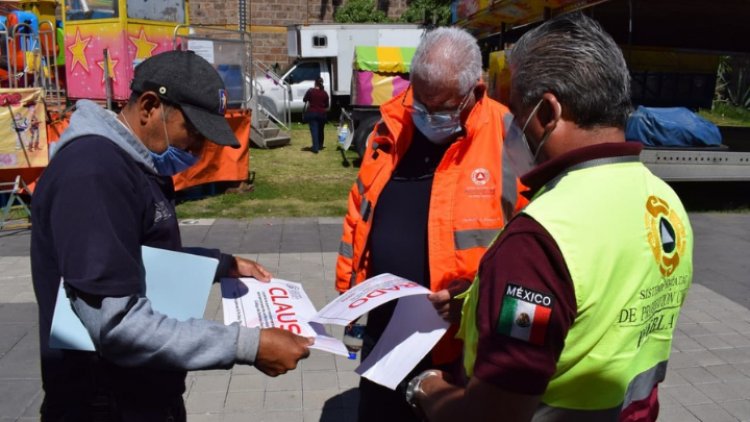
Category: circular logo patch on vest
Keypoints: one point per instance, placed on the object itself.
(480, 176)
(666, 234)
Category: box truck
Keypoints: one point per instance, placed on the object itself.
(327, 51)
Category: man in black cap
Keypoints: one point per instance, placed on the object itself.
(106, 193)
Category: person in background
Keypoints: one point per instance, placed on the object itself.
(572, 315)
(430, 196)
(106, 192)
(316, 104)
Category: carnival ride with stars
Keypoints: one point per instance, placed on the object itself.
(91, 53)
(47, 64)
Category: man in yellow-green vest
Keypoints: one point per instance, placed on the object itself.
(572, 313)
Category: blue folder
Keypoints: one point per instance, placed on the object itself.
(177, 284)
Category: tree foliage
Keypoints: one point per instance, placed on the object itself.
(359, 11)
(733, 82)
(437, 12)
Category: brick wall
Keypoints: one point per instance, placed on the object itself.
(270, 48)
(268, 20)
(213, 12)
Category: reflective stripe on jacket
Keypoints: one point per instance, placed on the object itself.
(466, 210)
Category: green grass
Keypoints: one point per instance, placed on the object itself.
(727, 115)
(289, 182)
(17, 218)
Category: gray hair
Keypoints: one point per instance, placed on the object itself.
(447, 54)
(572, 57)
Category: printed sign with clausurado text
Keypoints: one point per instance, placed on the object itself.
(284, 304)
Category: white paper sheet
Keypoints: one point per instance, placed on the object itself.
(278, 303)
(413, 331)
(203, 48)
(367, 296)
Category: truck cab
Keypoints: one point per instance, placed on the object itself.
(277, 92)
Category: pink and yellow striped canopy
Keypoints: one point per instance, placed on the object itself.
(383, 59)
(380, 73)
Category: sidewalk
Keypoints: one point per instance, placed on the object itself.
(708, 377)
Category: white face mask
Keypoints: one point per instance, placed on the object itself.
(439, 127)
(436, 130)
(517, 149)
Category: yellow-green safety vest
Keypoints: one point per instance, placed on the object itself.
(628, 245)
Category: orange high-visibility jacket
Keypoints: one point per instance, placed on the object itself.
(472, 196)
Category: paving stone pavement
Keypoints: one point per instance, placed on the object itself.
(708, 377)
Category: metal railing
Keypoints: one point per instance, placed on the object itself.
(6, 56)
(37, 65)
(267, 105)
(49, 73)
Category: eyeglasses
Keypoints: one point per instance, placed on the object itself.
(438, 116)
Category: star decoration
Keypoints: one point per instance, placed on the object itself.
(112, 64)
(144, 47)
(78, 50)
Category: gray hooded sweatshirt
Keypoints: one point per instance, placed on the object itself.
(126, 330)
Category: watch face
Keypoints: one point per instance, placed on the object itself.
(411, 389)
(415, 386)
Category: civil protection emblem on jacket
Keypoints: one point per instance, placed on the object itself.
(666, 234)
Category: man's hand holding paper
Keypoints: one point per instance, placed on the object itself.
(280, 350)
(243, 267)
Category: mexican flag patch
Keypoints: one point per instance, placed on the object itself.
(525, 314)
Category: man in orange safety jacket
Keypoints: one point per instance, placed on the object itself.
(431, 195)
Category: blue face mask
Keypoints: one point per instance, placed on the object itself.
(173, 161)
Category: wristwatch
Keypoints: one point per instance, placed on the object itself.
(415, 386)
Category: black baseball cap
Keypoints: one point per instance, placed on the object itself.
(189, 81)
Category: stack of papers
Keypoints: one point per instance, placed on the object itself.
(414, 329)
